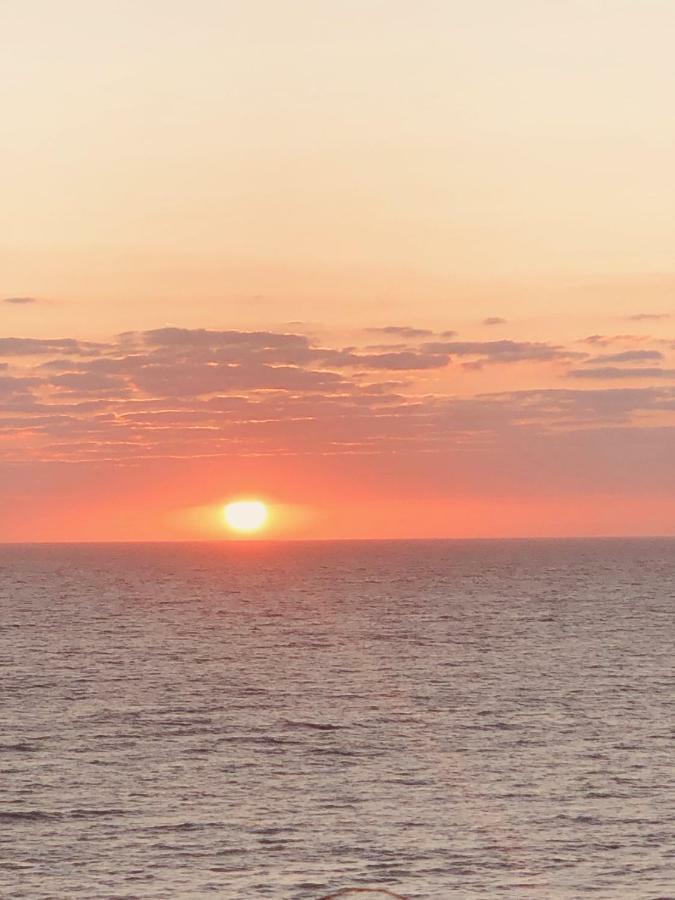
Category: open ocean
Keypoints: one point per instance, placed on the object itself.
(250, 720)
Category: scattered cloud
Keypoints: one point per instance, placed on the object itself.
(20, 301)
(402, 331)
(191, 393)
(494, 320)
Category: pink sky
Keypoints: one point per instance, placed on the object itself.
(397, 270)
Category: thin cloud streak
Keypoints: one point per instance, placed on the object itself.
(648, 317)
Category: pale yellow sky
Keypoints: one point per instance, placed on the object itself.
(246, 163)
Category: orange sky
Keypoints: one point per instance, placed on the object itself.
(399, 269)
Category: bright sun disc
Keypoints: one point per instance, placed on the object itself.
(245, 516)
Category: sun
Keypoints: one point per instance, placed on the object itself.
(245, 516)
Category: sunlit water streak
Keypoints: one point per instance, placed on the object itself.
(445, 720)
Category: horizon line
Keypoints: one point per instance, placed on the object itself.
(373, 540)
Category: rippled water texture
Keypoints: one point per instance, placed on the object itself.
(446, 720)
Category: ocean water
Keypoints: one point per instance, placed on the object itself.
(441, 719)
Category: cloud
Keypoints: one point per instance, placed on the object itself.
(627, 356)
(90, 383)
(582, 407)
(605, 340)
(494, 320)
(195, 380)
(648, 317)
(404, 331)
(400, 360)
(198, 393)
(231, 348)
(12, 346)
(13, 387)
(615, 372)
(20, 301)
(502, 351)
(204, 338)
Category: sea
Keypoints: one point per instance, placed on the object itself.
(245, 720)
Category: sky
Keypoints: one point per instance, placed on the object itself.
(399, 269)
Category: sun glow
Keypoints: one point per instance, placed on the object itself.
(246, 516)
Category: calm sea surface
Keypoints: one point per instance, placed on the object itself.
(443, 719)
